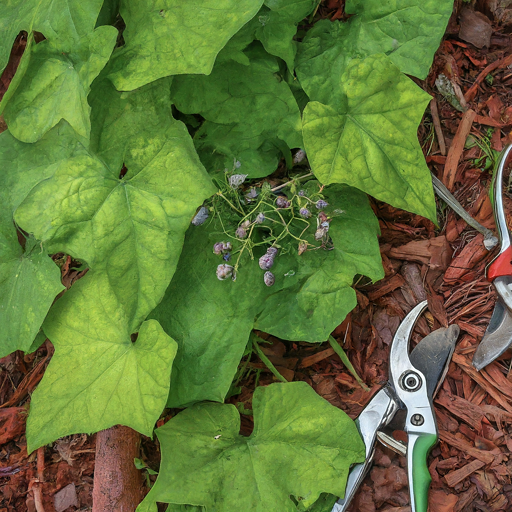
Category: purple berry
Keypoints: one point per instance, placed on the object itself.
(304, 212)
(221, 247)
(224, 271)
(267, 260)
(260, 218)
(269, 278)
(282, 202)
(321, 204)
(302, 193)
(241, 232)
(272, 251)
(226, 256)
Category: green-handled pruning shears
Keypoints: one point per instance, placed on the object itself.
(405, 403)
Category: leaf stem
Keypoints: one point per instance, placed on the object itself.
(279, 187)
(345, 360)
(266, 361)
(219, 193)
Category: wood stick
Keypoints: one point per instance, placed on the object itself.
(437, 126)
(484, 384)
(40, 464)
(457, 147)
(485, 456)
(315, 358)
(117, 482)
(455, 477)
(471, 92)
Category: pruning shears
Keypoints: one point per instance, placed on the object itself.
(405, 403)
(498, 336)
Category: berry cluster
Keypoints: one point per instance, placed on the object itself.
(258, 216)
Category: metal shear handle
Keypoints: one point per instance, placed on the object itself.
(410, 385)
(502, 265)
(377, 414)
(407, 388)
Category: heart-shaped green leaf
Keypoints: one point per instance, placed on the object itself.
(98, 377)
(301, 446)
(29, 282)
(368, 138)
(56, 84)
(408, 31)
(122, 224)
(250, 111)
(172, 37)
(53, 78)
(311, 296)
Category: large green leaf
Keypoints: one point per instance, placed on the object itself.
(172, 37)
(29, 280)
(64, 20)
(408, 31)
(368, 138)
(301, 446)
(98, 377)
(250, 113)
(311, 296)
(275, 26)
(131, 228)
(56, 85)
(53, 78)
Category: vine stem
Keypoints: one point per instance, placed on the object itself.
(346, 361)
(117, 482)
(267, 362)
(275, 189)
(220, 194)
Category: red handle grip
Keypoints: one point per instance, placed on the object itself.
(501, 266)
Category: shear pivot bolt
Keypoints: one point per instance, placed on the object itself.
(417, 420)
(411, 381)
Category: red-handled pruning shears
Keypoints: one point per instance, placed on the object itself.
(498, 336)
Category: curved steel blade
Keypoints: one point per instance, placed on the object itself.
(498, 336)
(399, 361)
(432, 356)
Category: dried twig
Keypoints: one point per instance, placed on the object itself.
(457, 147)
(437, 126)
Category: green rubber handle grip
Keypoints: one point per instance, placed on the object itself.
(420, 475)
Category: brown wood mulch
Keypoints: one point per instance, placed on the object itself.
(471, 467)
